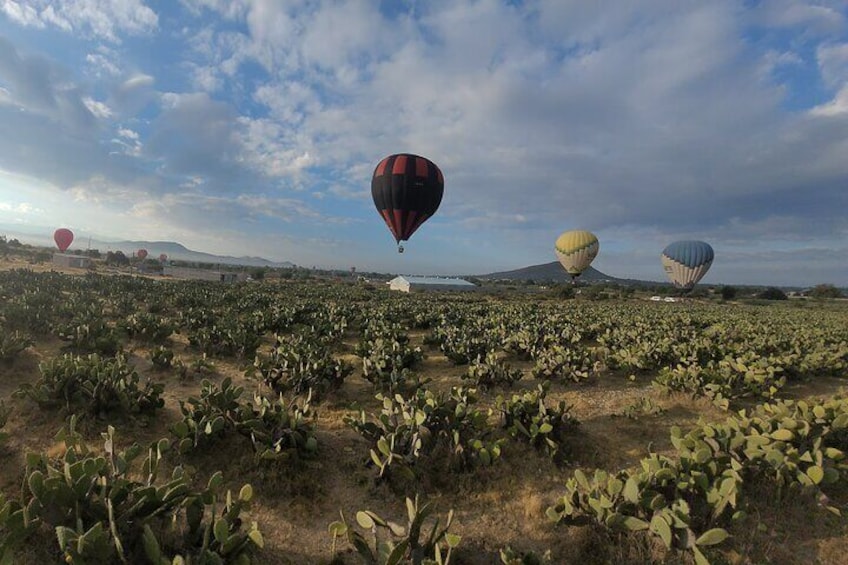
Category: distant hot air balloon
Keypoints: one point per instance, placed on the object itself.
(142, 254)
(63, 238)
(576, 250)
(686, 262)
(163, 258)
(407, 190)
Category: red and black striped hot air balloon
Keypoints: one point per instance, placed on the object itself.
(407, 190)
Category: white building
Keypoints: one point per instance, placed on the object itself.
(73, 261)
(408, 284)
(202, 274)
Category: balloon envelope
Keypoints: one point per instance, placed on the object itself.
(407, 190)
(142, 254)
(576, 250)
(686, 262)
(163, 258)
(63, 238)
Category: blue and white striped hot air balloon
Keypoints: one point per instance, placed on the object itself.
(686, 262)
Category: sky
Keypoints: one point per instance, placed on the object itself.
(253, 127)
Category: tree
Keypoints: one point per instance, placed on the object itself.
(564, 291)
(772, 293)
(42, 256)
(595, 292)
(117, 258)
(728, 292)
(698, 292)
(825, 291)
(257, 274)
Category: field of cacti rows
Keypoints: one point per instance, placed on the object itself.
(156, 421)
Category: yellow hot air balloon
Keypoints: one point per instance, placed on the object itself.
(575, 250)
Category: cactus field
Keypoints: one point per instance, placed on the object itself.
(159, 421)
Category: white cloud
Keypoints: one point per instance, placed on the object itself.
(833, 62)
(230, 9)
(817, 16)
(558, 108)
(202, 211)
(348, 192)
(103, 63)
(206, 78)
(98, 109)
(344, 33)
(105, 19)
(6, 97)
(836, 107)
(24, 208)
(133, 95)
(286, 209)
(22, 13)
(658, 115)
(267, 147)
(289, 102)
(100, 190)
(41, 89)
(773, 60)
(128, 134)
(129, 141)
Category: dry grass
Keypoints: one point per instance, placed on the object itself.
(494, 508)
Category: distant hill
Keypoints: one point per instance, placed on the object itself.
(43, 236)
(177, 251)
(553, 271)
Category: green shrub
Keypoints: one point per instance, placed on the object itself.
(93, 386)
(12, 343)
(563, 362)
(104, 508)
(162, 357)
(427, 425)
(276, 429)
(147, 327)
(528, 418)
(300, 365)
(4, 417)
(391, 543)
(687, 500)
(772, 293)
(91, 337)
(491, 371)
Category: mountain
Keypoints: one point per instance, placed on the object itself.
(547, 272)
(177, 251)
(553, 271)
(42, 236)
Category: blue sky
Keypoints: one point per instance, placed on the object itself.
(252, 127)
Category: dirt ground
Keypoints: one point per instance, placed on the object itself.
(494, 508)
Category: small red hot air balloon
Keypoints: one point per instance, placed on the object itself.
(163, 258)
(142, 254)
(63, 238)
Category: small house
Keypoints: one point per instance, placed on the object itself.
(203, 274)
(72, 261)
